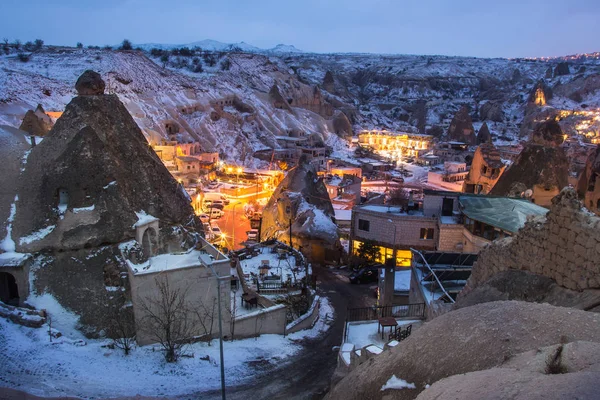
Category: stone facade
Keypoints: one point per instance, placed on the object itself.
(563, 246)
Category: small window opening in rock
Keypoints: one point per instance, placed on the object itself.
(63, 199)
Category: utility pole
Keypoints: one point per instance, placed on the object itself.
(288, 211)
(220, 332)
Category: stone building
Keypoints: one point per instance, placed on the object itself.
(395, 145)
(451, 177)
(343, 191)
(486, 169)
(446, 221)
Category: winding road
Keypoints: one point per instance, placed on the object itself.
(307, 375)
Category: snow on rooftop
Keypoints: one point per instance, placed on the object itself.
(286, 267)
(343, 215)
(143, 219)
(168, 262)
(402, 281)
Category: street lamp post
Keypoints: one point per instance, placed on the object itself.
(220, 332)
(394, 245)
(233, 226)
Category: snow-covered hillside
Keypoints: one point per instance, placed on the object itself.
(395, 92)
(154, 95)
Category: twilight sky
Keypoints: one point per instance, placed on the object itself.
(506, 28)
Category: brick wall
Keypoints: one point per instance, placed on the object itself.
(408, 229)
(564, 246)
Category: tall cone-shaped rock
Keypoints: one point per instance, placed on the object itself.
(484, 135)
(302, 199)
(541, 169)
(461, 128)
(84, 184)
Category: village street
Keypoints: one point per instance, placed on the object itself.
(306, 375)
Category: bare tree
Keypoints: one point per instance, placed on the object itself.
(231, 310)
(167, 318)
(121, 326)
(398, 197)
(205, 313)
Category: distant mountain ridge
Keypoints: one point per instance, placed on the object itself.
(214, 45)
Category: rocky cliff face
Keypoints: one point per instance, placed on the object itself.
(85, 182)
(564, 247)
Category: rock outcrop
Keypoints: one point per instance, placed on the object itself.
(491, 111)
(86, 181)
(461, 128)
(564, 247)
(277, 99)
(487, 337)
(542, 167)
(341, 125)
(302, 200)
(484, 135)
(90, 83)
(329, 82)
(37, 122)
(561, 69)
(588, 186)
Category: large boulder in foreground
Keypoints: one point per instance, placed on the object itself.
(84, 184)
(467, 340)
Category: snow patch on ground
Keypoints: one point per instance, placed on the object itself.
(397, 383)
(62, 319)
(8, 244)
(60, 367)
(82, 209)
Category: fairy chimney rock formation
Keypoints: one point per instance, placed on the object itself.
(461, 128)
(484, 135)
(91, 178)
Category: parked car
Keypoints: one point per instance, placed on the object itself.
(209, 207)
(216, 213)
(366, 274)
(252, 235)
(218, 202)
(203, 218)
(217, 232)
(398, 180)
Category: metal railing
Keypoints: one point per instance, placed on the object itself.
(416, 310)
(433, 274)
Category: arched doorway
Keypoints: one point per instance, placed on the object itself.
(149, 242)
(9, 291)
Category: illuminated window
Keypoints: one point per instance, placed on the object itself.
(364, 225)
(426, 233)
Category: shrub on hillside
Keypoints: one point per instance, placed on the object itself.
(126, 45)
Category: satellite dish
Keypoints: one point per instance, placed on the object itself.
(528, 193)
